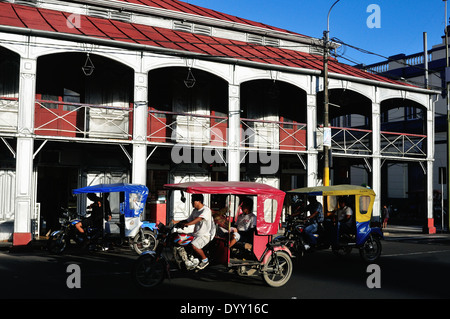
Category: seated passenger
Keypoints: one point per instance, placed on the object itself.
(246, 222)
(344, 216)
(223, 225)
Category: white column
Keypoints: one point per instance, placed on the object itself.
(311, 126)
(140, 114)
(376, 156)
(24, 159)
(234, 119)
(429, 163)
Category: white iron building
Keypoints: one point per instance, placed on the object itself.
(152, 92)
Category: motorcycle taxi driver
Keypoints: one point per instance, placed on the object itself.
(201, 217)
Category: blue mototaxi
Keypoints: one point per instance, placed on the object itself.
(142, 234)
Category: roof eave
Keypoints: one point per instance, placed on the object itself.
(228, 60)
(214, 22)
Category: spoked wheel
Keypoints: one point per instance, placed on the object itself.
(144, 241)
(371, 249)
(148, 272)
(278, 270)
(57, 244)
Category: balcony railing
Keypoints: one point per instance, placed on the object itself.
(266, 134)
(78, 120)
(212, 130)
(351, 140)
(9, 110)
(359, 141)
(187, 128)
(403, 144)
(58, 118)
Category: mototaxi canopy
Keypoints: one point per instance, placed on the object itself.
(364, 197)
(342, 190)
(135, 195)
(269, 199)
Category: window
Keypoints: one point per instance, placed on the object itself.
(135, 201)
(332, 203)
(70, 97)
(270, 210)
(50, 97)
(364, 202)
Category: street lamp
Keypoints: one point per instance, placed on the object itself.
(327, 129)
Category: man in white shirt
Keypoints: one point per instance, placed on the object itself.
(344, 215)
(246, 222)
(201, 217)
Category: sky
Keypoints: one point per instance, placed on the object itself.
(382, 27)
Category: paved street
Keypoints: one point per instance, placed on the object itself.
(413, 265)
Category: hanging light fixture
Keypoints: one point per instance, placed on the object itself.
(190, 80)
(274, 91)
(88, 67)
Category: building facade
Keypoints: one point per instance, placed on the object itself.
(152, 92)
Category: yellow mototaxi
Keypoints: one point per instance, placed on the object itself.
(360, 199)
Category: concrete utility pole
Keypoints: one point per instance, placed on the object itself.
(326, 121)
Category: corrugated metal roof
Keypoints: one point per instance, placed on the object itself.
(56, 21)
(185, 7)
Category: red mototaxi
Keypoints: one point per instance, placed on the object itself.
(269, 206)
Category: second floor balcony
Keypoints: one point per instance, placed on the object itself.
(65, 120)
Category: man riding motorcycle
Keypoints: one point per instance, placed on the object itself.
(201, 217)
(316, 216)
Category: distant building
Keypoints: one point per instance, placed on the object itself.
(152, 92)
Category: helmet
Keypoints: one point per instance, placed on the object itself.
(183, 239)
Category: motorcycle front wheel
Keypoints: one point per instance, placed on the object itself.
(144, 241)
(148, 272)
(371, 249)
(278, 270)
(57, 244)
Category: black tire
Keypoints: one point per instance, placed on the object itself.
(148, 242)
(57, 244)
(277, 277)
(148, 272)
(370, 251)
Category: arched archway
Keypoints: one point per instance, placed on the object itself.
(182, 89)
(273, 100)
(274, 117)
(111, 83)
(351, 123)
(60, 78)
(93, 108)
(189, 107)
(402, 116)
(403, 136)
(9, 106)
(9, 73)
(347, 108)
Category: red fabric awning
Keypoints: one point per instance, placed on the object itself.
(236, 188)
(56, 21)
